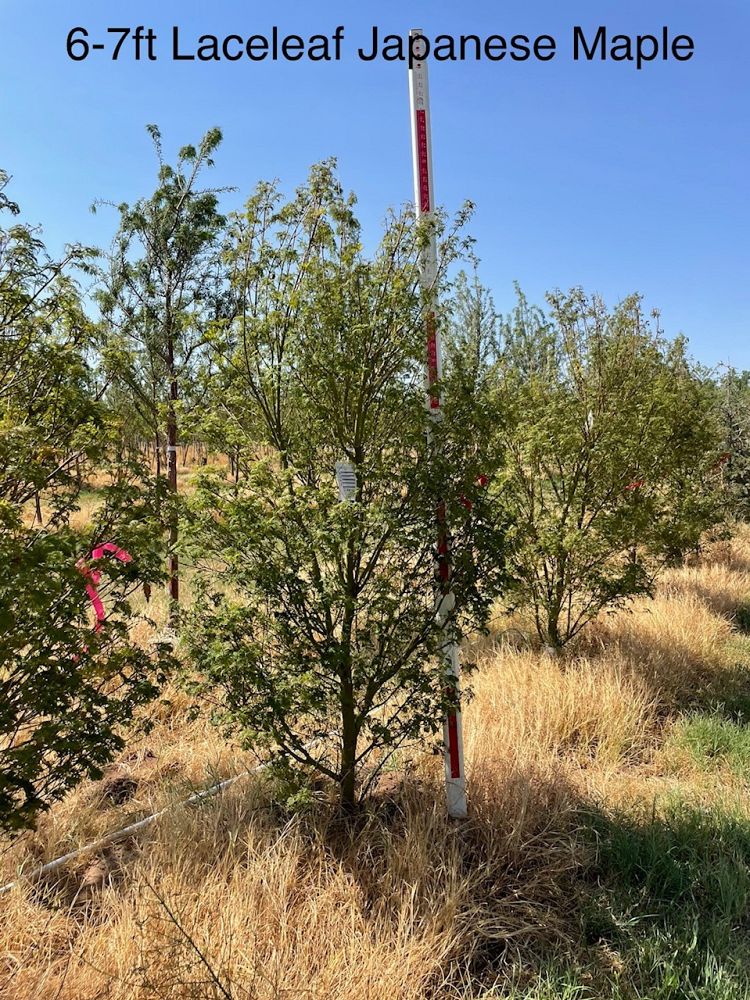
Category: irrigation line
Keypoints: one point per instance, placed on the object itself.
(129, 831)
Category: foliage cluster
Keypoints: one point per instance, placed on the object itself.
(578, 453)
(65, 690)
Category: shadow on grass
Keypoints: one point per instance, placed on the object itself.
(564, 900)
(686, 680)
(742, 619)
(669, 902)
(729, 700)
(663, 912)
(538, 894)
(726, 693)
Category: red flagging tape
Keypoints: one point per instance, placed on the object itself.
(424, 165)
(453, 746)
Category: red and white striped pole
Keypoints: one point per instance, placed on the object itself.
(424, 197)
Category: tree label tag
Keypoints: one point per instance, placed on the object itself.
(346, 478)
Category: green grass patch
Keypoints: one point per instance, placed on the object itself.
(664, 912)
(673, 903)
(715, 743)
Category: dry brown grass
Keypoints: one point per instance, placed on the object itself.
(595, 712)
(676, 643)
(236, 896)
(303, 907)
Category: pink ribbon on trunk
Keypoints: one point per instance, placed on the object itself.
(93, 576)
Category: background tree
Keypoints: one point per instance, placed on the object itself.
(691, 495)
(158, 301)
(473, 329)
(317, 620)
(65, 691)
(733, 408)
(610, 449)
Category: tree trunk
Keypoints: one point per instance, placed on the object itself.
(348, 781)
(173, 572)
(348, 762)
(554, 642)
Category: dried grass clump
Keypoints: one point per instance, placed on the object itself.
(233, 898)
(529, 706)
(719, 585)
(675, 643)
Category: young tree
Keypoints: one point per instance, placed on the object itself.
(159, 300)
(733, 408)
(473, 333)
(65, 690)
(610, 449)
(318, 617)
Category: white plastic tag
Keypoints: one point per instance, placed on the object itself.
(346, 478)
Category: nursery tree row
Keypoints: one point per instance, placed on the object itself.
(580, 451)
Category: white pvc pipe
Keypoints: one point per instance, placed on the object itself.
(424, 199)
(128, 831)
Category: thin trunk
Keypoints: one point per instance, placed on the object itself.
(174, 580)
(634, 545)
(348, 751)
(554, 640)
(349, 728)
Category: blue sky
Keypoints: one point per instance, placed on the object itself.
(590, 174)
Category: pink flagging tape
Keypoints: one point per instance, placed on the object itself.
(117, 552)
(97, 604)
(93, 577)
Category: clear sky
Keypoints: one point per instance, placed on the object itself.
(592, 174)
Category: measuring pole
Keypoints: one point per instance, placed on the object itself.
(424, 197)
